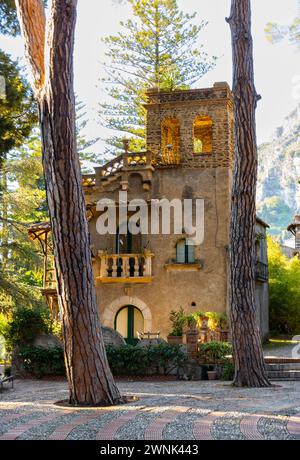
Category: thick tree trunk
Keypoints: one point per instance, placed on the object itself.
(247, 348)
(89, 376)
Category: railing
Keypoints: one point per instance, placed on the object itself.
(261, 272)
(132, 267)
(111, 166)
(125, 160)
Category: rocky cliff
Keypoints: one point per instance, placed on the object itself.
(278, 191)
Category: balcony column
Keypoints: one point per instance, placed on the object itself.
(103, 266)
(136, 267)
(114, 267)
(148, 265)
(125, 266)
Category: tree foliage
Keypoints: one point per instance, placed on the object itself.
(8, 18)
(157, 48)
(9, 24)
(23, 326)
(23, 202)
(284, 279)
(278, 32)
(18, 111)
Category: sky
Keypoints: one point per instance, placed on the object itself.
(277, 67)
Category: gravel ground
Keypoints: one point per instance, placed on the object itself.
(34, 399)
(182, 428)
(89, 430)
(228, 427)
(274, 429)
(136, 428)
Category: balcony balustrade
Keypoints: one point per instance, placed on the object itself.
(126, 268)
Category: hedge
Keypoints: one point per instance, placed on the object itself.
(125, 360)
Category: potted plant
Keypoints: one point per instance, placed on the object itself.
(214, 352)
(224, 328)
(212, 374)
(177, 319)
(217, 324)
(191, 322)
(214, 325)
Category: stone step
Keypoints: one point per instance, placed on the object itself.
(284, 375)
(283, 367)
(280, 360)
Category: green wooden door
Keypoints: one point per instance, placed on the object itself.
(128, 321)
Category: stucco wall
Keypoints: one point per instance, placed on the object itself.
(170, 289)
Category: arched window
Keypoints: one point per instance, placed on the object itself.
(170, 141)
(185, 253)
(203, 134)
(128, 322)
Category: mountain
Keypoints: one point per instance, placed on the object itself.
(278, 190)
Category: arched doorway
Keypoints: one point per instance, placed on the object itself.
(129, 321)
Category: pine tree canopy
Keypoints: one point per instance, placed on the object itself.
(18, 111)
(157, 48)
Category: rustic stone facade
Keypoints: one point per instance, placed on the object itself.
(176, 171)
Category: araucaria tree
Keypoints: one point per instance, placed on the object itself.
(51, 60)
(158, 48)
(247, 348)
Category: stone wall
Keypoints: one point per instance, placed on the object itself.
(186, 106)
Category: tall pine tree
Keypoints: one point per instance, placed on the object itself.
(157, 48)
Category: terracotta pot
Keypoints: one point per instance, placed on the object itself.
(204, 322)
(175, 339)
(224, 335)
(212, 375)
(217, 334)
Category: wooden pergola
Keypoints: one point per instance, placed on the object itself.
(41, 232)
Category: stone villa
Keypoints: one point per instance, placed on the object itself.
(140, 278)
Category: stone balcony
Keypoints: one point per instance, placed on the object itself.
(125, 268)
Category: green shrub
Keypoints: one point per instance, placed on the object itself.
(190, 320)
(125, 360)
(177, 319)
(284, 284)
(227, 371)
(216, 320)
(24, 326)
(40, 361)
(214, 350)
(132, 360)
(7, 371)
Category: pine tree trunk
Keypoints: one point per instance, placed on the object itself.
(89, 376)
(247, 347)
